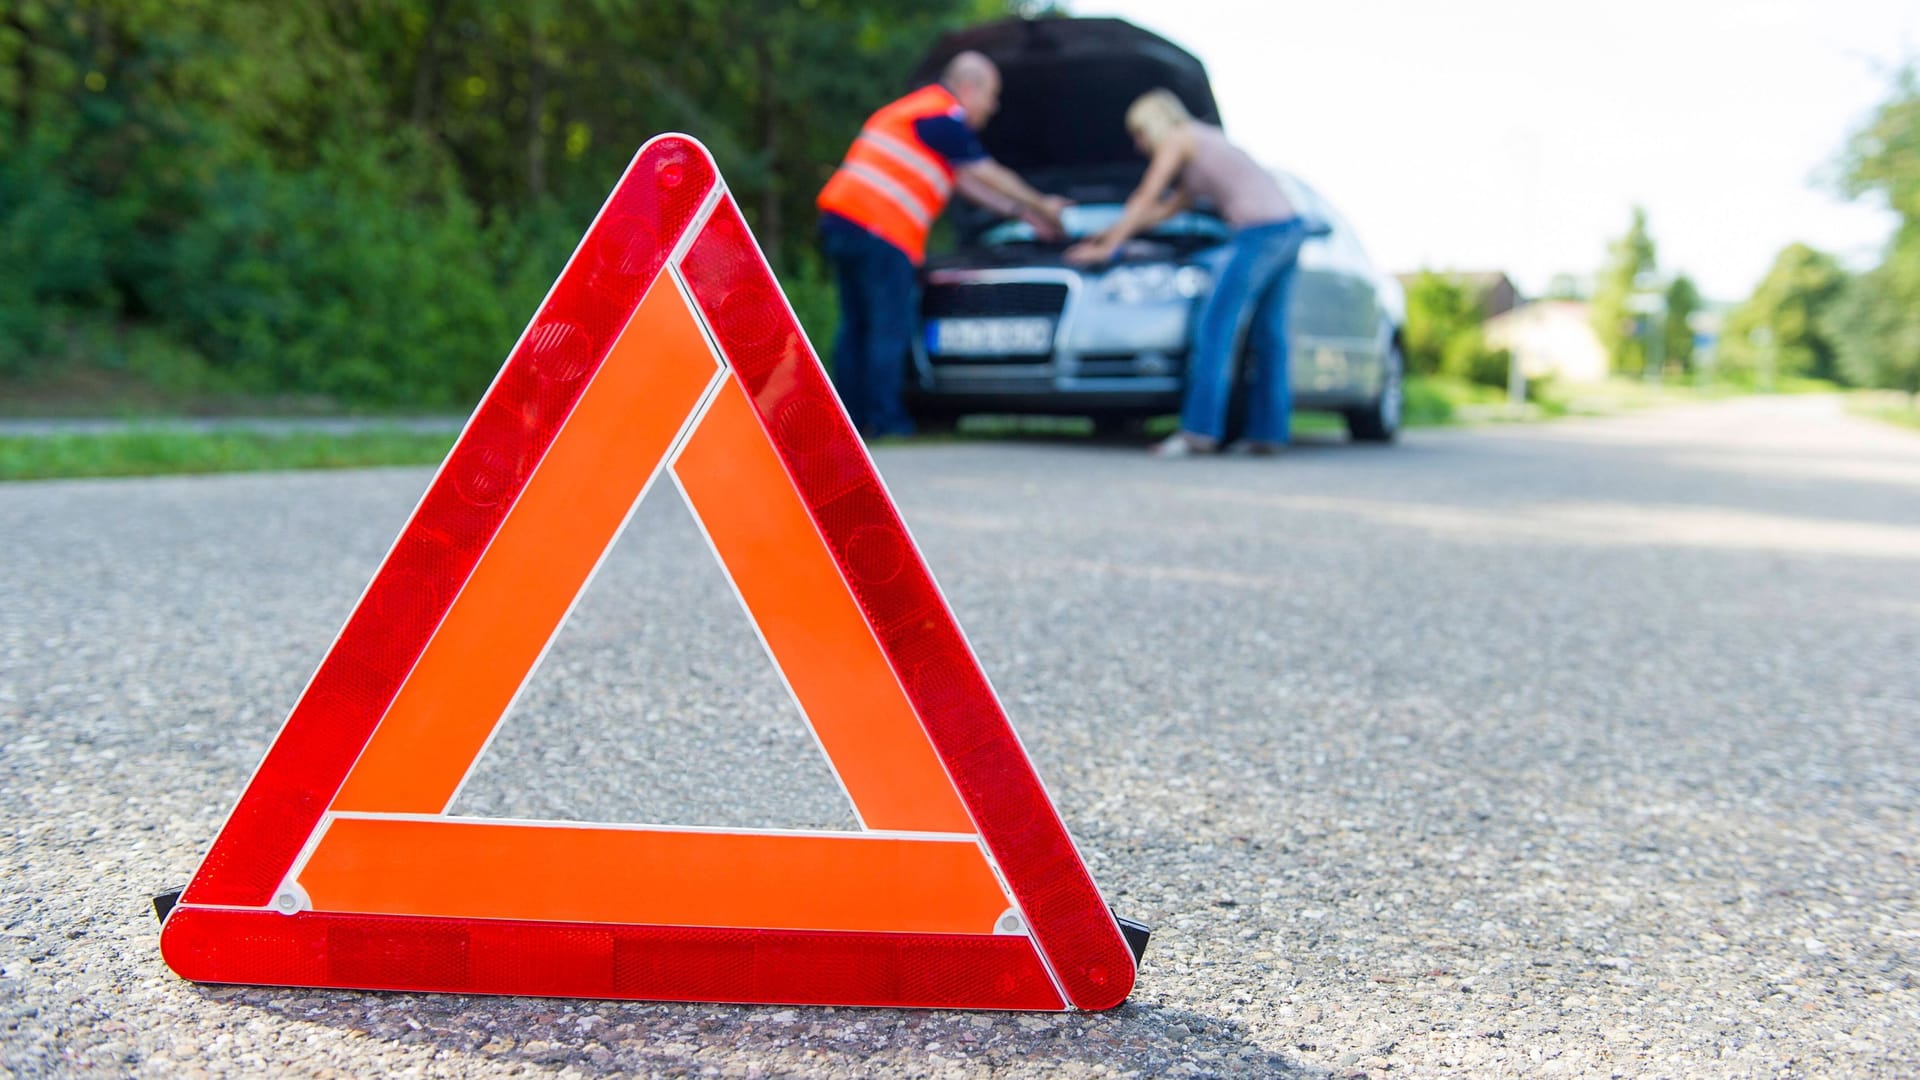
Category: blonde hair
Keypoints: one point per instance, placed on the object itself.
(1156, 114)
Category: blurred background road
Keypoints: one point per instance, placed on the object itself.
(1586, 748)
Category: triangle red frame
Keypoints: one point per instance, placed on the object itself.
(669, 221)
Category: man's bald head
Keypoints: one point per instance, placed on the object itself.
(975, 82)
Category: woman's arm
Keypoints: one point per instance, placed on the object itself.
(1166, 208)
(1148, 205)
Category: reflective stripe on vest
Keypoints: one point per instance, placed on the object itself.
(886, 187)
(912, 158)
(891, 183)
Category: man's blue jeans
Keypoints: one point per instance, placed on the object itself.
(876, 286)
(1249, 297)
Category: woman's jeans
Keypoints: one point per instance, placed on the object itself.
(1249, 296)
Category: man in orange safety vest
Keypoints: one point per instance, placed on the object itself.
(876, 211)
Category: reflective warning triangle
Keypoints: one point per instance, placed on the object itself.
(665, 349)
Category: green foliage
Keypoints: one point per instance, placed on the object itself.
(1428, 402)
(1441, 309)
(1443, 399)
(316, 280)
(1682, 302)
(365, 199)
(1876, 321)
(1904, 411)
(1883, 156)
(157, 451)
(53, 255)
(1470, 358)
(810, 289)
(1443, 335)
(1631, 260)
(1783, 329)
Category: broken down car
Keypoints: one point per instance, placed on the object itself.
(1009, 327)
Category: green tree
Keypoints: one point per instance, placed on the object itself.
(550, 98)
(1443, 332)
(1883, 156)
(1441, 310)
(1783, 328)
(1631, 260)
(1469, 357)
(1876, 324)
(1877, 319)
(366, 198)
(1682, 302)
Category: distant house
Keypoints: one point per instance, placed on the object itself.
(1494, 288)
(1550, 337)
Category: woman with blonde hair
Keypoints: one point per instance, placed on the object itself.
(1192, 161)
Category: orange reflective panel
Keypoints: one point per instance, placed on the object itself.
(513, 603)
(506, 870)
(811, 623)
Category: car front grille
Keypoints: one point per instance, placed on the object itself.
(1130, 365)
(991, 298)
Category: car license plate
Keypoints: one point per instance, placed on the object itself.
(989, 337)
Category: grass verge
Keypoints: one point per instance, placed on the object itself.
(153, 452)
(1431, 401)
(1886, 406)
(160, 450)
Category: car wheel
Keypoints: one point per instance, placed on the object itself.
(1380, 420)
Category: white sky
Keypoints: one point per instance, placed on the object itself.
(1517, 134)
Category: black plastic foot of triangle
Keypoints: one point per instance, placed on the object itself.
(1136, 934)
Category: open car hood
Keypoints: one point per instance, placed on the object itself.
(1065, 88)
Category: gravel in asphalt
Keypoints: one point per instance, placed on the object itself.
(1589, 748)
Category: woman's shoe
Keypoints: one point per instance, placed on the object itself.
(1183, 444)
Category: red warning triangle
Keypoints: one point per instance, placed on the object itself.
(665, 349)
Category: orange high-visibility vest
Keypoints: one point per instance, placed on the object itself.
(891, 183)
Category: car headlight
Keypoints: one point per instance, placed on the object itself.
(1191, 281)
(1155, 283)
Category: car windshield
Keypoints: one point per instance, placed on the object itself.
(1091, 219)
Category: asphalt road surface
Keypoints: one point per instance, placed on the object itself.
(1587, 748)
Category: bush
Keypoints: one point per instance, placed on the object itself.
(366, 201)
(809, 288)
(1427, 403)
(1489, 367)
(1466, 356)
(53, 257)
(1546, 391)
(302, 283)
(1441, 311)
